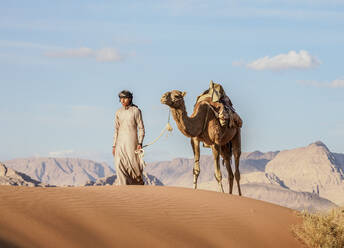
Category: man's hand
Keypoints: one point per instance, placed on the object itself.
(139, 147)
(113, 150)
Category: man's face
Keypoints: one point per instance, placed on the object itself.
(125, 101)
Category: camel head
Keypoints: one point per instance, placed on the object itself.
(174, 99)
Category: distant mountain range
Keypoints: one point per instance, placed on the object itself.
(61, 171)
(309, 177)
(64, 172)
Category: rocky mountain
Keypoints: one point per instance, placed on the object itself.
(61, 171)
(151, 180)
(9, 176)
(310, 169)
(148, 179)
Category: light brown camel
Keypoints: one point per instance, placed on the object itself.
(203, 126)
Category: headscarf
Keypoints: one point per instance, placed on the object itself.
(125, 94)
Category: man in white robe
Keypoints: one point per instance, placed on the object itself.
(128, 137)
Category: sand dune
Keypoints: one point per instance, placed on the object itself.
(139, 216)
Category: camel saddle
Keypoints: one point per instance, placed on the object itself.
(221, 103)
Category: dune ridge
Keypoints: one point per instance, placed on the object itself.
(148, 216)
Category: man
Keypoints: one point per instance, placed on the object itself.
(128, 120)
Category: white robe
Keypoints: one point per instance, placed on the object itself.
(128, 120)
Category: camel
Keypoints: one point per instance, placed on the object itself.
(203, 126)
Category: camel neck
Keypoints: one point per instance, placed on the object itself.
(189, 126)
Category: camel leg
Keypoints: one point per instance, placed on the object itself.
(226, 152)
(196, 150)
(236, 142)
(216, 153)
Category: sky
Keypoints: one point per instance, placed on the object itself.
(62, 64)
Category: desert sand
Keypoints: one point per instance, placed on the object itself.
(139, 216)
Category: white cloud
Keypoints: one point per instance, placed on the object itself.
(107, 54)
(291, 60)
(338, 83)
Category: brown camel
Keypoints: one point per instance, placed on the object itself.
(203, 126)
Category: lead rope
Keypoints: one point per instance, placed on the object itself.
(141, 152)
